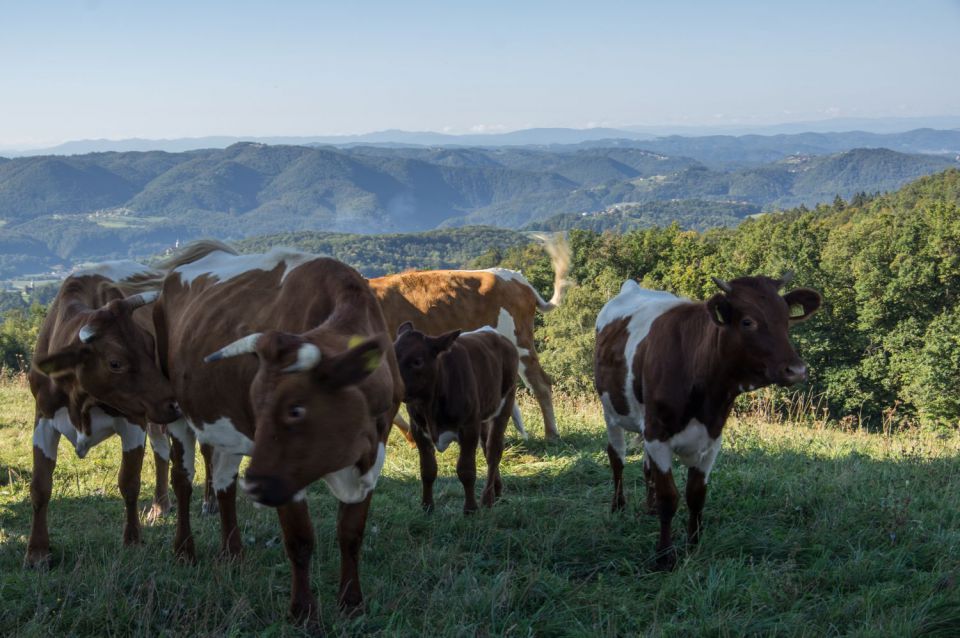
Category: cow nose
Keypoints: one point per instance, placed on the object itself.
(267, 490)
(795, 372)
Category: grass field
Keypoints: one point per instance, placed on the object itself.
(809, 531)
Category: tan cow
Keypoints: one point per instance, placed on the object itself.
(315, 402)
(438, 301)
(94, 375)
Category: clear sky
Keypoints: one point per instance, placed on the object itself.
(73, 69)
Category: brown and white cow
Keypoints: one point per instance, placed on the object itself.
(315, 402)
(94, 374)
(670, 369)
(438, 301)
(458, 387)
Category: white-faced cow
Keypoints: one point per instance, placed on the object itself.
(300, 374)
(94, 374)
(438, 301)
(458, 387)
(670, 369)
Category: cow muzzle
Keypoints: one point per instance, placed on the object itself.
(271, 491)
(793, 373)
(163, 412)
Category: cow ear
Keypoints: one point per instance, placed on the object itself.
(444, 341)
(802, 302)
(406, 326)
(719, 309)
(353, 366)
(63, 362)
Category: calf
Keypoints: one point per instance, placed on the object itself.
(458, 387)
(670, 369)
(442, 300)
(94, 375)
(315, 402)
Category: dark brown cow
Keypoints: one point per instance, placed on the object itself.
(459, 387)
(94, 375)
(316, 401)
(670, 369)
(438, 301)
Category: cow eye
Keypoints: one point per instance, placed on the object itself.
(115, 365)
(417, 363)
(748, 323)
(296, 413)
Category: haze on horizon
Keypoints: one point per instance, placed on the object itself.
(87, 69)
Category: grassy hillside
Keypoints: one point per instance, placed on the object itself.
(809, 532)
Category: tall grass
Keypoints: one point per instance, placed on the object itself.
(811, 530)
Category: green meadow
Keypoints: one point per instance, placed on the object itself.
(810, 530)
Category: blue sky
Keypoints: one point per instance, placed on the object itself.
(73, 69)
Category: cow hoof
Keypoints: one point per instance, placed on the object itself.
(351, 603)
(209, 508)
(37, 558)
(184, 552)
(618, 504)
(427, 507)
(666, 559)
(305, 613)
(156, 512)
(469, 510)
(131, 535)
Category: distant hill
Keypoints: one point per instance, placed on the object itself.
(693, 214)
(127, 204)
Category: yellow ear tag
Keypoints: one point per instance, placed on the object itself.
(797, 311)
(355, 341)
(372, 360)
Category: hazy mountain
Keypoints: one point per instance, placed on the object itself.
(127, 204)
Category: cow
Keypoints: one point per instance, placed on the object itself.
(315, 402)
(459, 386)
(670, 369)
(94, 374)
(438, 301)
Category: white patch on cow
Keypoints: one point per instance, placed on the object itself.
(225, 466)
(445, 439)
(223, 435)
(499, 409)
(518, 422)
(616, 440)
(117, 270)
(159, 441)
(643, 307)
(46, 436)
(692, 445)
(183, 433)
(223, 266)
(349, 486)
(513, 275)
(300, 496)
(508, 328)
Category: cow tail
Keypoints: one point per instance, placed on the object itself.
(559, 250)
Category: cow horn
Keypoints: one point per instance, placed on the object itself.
(308, 356)
(246, 345)
(722, 285)
(87, 333)
(135, 301)
(786, 278)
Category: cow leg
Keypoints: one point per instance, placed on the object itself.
(617, 453)
(133, 439)
(45, 440)
(467, 466)
(210, 503)
(650, 485)
(161, 460)
(428, 465)
(661, 462)
(405, 429)
(696, 496)
(539, 383)
(225, 467)
(351, 522)
(181, 476)
(493, 444)
(298, 540)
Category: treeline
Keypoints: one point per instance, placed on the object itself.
(886, 345)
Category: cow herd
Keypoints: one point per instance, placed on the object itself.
(300, 363)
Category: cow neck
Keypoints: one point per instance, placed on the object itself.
(716, 380)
